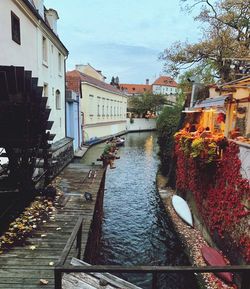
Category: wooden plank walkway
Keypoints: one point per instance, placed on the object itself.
(22, 267)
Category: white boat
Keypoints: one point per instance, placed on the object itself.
(120, 141)
(182, 209)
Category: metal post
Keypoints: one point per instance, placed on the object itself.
(154, 280)
(79, 242)
(245, 283)
(192, 94)
(58, 278)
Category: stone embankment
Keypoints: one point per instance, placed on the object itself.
(191, 238)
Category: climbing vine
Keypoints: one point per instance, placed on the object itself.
(221, 193)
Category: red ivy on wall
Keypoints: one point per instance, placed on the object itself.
(220, 193)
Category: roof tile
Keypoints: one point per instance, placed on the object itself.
(165, 81)
(136, 88)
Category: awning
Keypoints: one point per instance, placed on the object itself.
(191, 110)
(218, 101)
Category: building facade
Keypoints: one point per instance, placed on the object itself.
(163, 85)
(73, 119)
(103, 107)
(30, 39)
(167, 86)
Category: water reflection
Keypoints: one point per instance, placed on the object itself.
(149, 147)
(135, 228)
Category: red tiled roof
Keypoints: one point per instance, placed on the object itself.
(136, 88)
(165, 81)
(75, 77)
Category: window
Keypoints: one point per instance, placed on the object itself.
(45, 50)
(91, 105)
(58, 99)
(59, 63)
(98, 109)
(15, 28)
(103, 112)
(45, 90)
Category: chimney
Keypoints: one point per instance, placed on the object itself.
(80, 67)
(39, 7)
(147, 81)
(52, 18)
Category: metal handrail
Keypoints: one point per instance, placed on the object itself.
(155, 270)
(76, 234)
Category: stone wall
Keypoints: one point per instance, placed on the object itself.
(93, 244)
(62, 154)
(244, 156)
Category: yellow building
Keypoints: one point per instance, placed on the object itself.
(237, 105)
(103, 106)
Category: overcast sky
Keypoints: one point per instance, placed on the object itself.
(122, 37)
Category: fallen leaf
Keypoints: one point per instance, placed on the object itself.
(43, 281)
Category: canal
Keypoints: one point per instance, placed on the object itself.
(135, 229)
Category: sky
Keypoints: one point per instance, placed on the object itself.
(122, 37)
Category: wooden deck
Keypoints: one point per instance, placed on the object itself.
(22, 267)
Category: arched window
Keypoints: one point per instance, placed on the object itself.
(58, 99)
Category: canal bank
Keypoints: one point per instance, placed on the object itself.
(192, 239)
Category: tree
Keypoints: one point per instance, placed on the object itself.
(143, 103)
(225, 36)
(115, 82)
(167, 125)
(112, 82)
(233, 14)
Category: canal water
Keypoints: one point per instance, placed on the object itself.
(135, 229)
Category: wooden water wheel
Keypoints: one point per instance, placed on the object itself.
(24, 131)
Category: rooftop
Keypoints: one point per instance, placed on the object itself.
(166, 81)
(136, 88)
(74, 78)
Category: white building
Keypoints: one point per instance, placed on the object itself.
(167, 86)
(29, 38)
(103, 106)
